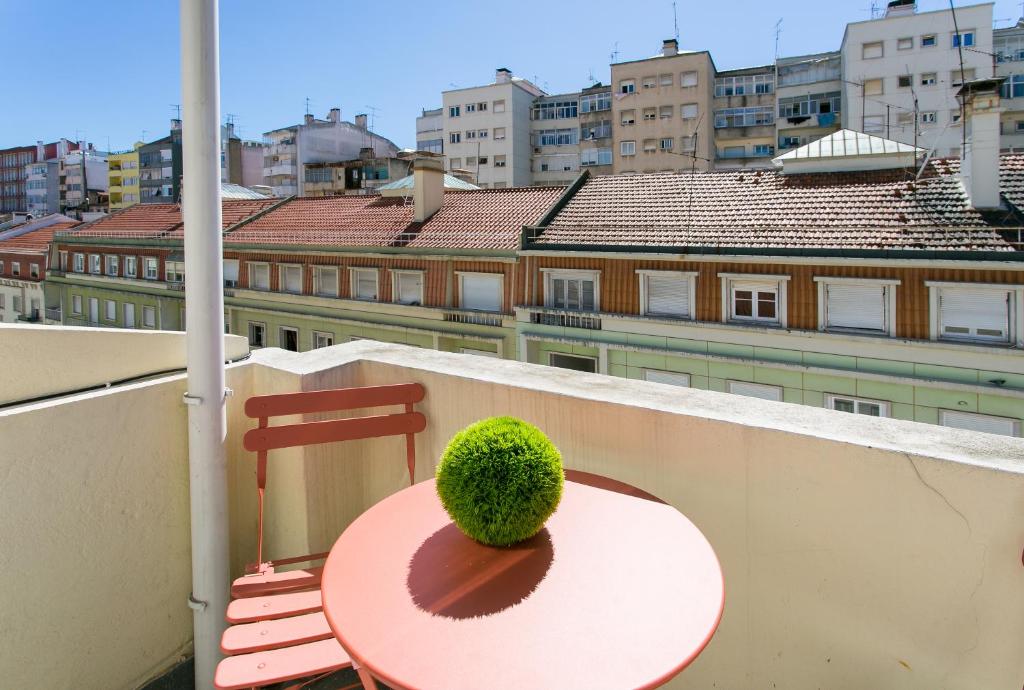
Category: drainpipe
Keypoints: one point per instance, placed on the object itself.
(204, 336)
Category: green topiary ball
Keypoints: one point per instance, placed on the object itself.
(499, 480)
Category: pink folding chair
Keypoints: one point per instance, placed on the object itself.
(279, 632)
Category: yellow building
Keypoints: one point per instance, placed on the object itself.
(123, 176)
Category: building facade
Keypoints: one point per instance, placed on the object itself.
(596, 129)
(1008, 47)
(123, 178)
(809, 97)
(744, 117)
(661, 112)
(360, 176)
(42, 189)
(83, 181)
(487, 131)
(160, 168)
(901, 73)
(555, 137)
(430, 131)
(24, 259)
(14, 171)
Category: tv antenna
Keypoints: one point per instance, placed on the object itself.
(778, 32)
(675, 21)
(373, 114)
(307, 105)
(615, 52)
(590, 76)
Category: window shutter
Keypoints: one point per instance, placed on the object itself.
(586, 295)
(558, 299)
(756, 390)
(409, 288)
(668, 377)
(979, 422)
(481, 292)
(231, 270)
(856, 306)
(292, 279)
(669, 295)
(974, 313)
(366, 285)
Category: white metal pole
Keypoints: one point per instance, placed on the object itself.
(204, 337)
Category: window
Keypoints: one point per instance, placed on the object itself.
(482, 107)
(259, 276)
(94, 263)
(670, 378)
(149, 263)
(905, 81)
(76, 304)
(16, 304)
(455, 163)
(844, 403)
(454, 137)
(954, 116)
(110, 265)
(129, 315)
(667, 293)
(325, 281)
(869, 51)
(928, 118)
(482, 134)
(33, 270)
(15, 268)
(573, 362)
(499, 161)
(174, 271)
(874, 123)
(746, 85)
(754, 298)
(971, 312)
(572, 290)
(257, 333)
(665, 79)
(290, 279)
(650, 146)
(688, 111)
(755, 390)
(478, 353)
(556, 137)
(596, 130)
(1013, 87)
(130, 266)
(149, 317)
(595, 157)
(666, 143)
(744, 117)
(964, 38)
(958, 77)
(407, 287)
(665, 112)
(688, 78)
(972, 421)
(554, 110)
(928, 41)
(649, 82)
(856, 304)
(498, 106)
(873, 87)
(471, 107)
(483, 160)
(627, 86)
(627, 148)
(480, 291)
(470, 134)
(594, 102)
(627, 117)
(79, 263)
(110, 310)
(650, 113)
(364, 283)
(454, 111)
(905, 43)
(230, 271)
(928, 79)
(688, 144)
(499, 132)
(322, 339)
(288, 338)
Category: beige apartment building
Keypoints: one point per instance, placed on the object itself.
(744, 117)
(661, 117)
(596, 129)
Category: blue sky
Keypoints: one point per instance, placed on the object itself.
(109, 70)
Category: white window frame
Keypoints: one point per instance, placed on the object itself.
(111, 261)
(551, 274)
(148, 323)
(888, 318)
(250, 268)
(281, 330)
(109, 307)
(353, 272)
(396, 275)
(1015, 335)
(79, 263)
(95, 267)
(686, 76)
(174, 271)
(317, 335)
(131, 266)
(462, 289)
(782, 293)
(730, 387)
(76, 305)
(318, 281)
(631, 147)
(282, 282)
(645, 275)
(146, 262)
(944, 414)
(16, 268)
(884, 406)
(679, 375)
(236, 264)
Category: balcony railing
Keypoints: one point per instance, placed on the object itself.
(53, 313)
(480, 318)
(567, 319)
(32, 316)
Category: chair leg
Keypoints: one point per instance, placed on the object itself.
(368, 682)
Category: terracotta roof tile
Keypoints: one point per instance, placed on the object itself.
(149, 221)
(36, 239)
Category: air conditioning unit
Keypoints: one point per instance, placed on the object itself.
(536, 149)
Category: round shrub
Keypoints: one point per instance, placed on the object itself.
(500, 479)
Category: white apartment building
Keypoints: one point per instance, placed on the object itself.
(430, 131)
(487, 130)
(809, 94)
(555, 136)
(1008, 46)
(902, 71)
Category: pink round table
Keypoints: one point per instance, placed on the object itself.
(619, 590)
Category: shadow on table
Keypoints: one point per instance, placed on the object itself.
(454, 576)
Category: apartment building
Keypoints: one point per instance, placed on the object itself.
(24, 258)
(14, 164)
(83, 181)
(430, 131)
(360, 176)
(744, 117)
(555, 137)
(1008, 47)
(487, 130)
(661, 112)
(160, 168)
(42, 188)
(902, 71)
(123, 178)
(595, 113)
(290, 149)
(809, 98)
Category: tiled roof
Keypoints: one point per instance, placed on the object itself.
(871, 210)
(482, 219)
(35, 239)
(150, 221)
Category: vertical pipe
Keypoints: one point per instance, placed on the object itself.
(204, 337)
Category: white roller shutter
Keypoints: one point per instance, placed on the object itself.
(669, 377)
(292, 278)
(974, 313)
(856, 306)
(481, 292)
(410, 288)
(231, 271)
(668, 295)
(979, 422)
(756, 390)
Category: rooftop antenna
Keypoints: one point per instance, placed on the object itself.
(615, 52)
(778, 32)
(590, 76)
(177, 110)
(675, 21)
(373, 114)
(874, 8)
(144, 134)
(307, 105)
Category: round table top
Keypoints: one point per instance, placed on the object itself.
(619, 590)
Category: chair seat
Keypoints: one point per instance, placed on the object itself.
(265, 608)
(279, 665)
(274, 583)
(283, 632)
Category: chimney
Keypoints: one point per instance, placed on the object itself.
(175, 125)
(361, 120)
(901, 8)
(979, 159)
(334, 115)
(428, 187)
(502, 75)
(309, 118)
(669, 47)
